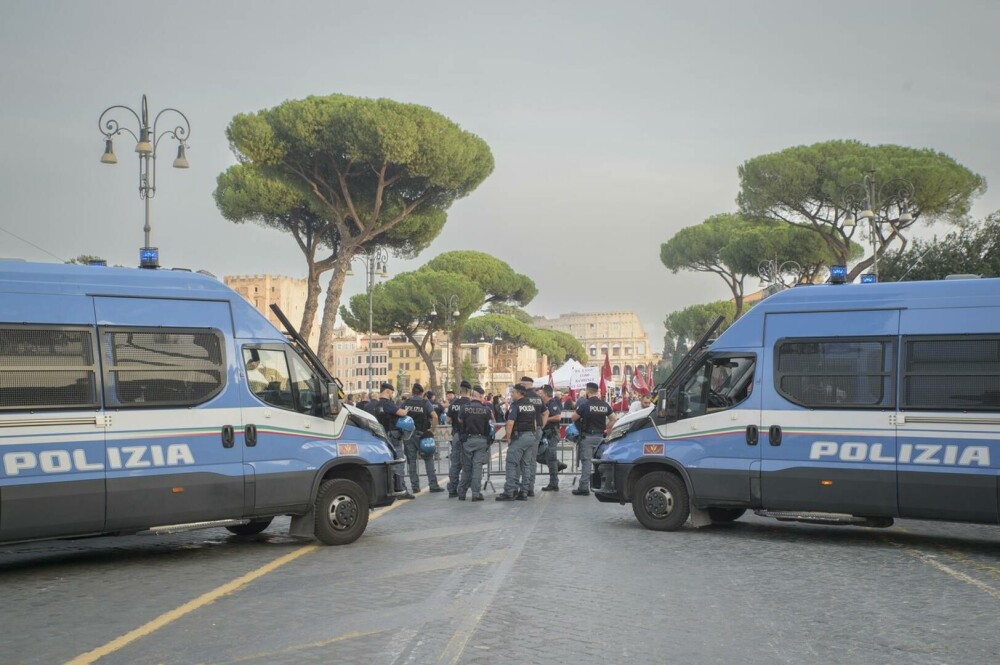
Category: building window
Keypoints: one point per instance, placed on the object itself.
(640, 349)
(593, 350)
(616, 370)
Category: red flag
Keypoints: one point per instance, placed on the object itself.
(639, 384)
(571, 395)
(605, 376)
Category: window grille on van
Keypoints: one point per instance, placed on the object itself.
(47, 368)
(163, 366)
(947, 373)
(836, 373)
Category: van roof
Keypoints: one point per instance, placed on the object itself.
(67, 279)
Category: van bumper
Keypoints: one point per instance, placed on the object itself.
(608, 481)
(386, 481)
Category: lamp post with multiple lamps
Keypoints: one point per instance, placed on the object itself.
(451, 313)
(376, 261)
(864, 200)
(493, 350)
(147, 141)
(771, 273)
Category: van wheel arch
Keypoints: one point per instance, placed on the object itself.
(647, 465)
(350, 469)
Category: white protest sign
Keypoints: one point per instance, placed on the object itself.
(584, 375)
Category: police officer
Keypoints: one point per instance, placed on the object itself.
(529, 466)
(475, 431)
(422, 412)
(522, 437)
(386, 411)
(553, 408)
(593, 418)
(455, 465)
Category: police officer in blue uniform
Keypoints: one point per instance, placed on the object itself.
(553, 408)
(522, 435)
(455, 463)
(475, 431)
(386, 412)
(593, 418)
(422, 412)
(529, 466)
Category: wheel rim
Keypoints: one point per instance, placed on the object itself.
(659, 502)
(343, 512)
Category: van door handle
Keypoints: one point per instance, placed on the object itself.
(250, 435)
(228, 436)
(774, 435)
(753, 435)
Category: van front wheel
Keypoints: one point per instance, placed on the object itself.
(660, 501)
(341, 512)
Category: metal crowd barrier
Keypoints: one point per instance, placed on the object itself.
(566, 453)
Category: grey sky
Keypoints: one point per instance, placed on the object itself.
(613, 125)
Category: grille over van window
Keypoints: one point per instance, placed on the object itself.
(163, 367)
(951, 373)
(47, 368)
(836, 373)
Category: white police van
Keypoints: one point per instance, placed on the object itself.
(840, 404)
(153, 400)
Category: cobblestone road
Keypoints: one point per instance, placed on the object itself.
(558, 579)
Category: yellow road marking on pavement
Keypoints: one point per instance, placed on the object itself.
(205, 599)
(314, 645)
(948, 570)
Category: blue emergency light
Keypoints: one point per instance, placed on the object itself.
(97, 262)
(838, 274)
(868, 278)
(149, 257)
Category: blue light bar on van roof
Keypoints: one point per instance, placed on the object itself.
(97, 262)
(838, 274)
(868, 278)
(149, 257)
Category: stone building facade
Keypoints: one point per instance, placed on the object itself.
(618, 335)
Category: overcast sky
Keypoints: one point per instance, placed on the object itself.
(613, 125)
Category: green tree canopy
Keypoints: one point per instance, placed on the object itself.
(685, 326)
(498, 281)
(368, 165)
(85, 259)
(490, 326)
(972, 249)
(469, 372)
(817, 186)
(510, 310)
(404, 304)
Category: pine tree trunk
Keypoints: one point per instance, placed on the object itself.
(313, 289)
(333, 292)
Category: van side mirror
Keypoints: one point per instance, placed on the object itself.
(667, 405)
(332, 397)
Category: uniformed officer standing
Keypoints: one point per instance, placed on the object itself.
(475, 429)
(424, 421)
(455, 463)
(553, 408)
(522, 437)
(530, 464)
(386, 411)
(594, 417)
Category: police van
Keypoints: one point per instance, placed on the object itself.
(837, 404)
(158, 401)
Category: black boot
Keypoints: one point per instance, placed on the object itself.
(504, 497)
(580, 492)
(531, 493)
(521, 496)
(452, 494)
(550, 488)
(477, 497)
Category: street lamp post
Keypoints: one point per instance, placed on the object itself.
(771, 272)
(146, 143)
(874, 197)
(376, 262)
(451, 313)
(493, 355)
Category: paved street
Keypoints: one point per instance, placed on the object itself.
(559, 579)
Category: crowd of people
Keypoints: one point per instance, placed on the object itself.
(528, 422)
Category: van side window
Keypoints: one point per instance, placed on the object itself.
(836, 373)
(957, 372)
(720, 383)
(178, 367)
(47, 368)
(307, 388)
(268, 377)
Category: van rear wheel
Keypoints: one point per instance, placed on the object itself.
(341, 512)
(251, 528)
(660, 501)
(725, 515)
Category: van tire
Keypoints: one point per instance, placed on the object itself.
(725, 515)
(660, 501)
(251, 528)
(341, 512)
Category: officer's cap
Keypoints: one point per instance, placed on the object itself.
(592, 386)
(465, 385)
(527, 379)
(417, 389)
(387, 386)
(518, 388)
(478, 390)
